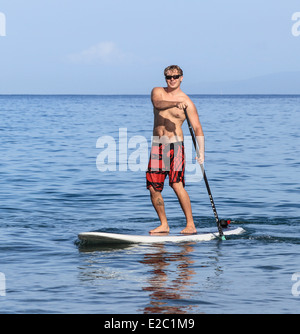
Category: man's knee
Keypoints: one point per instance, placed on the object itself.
(177, 186)
(154, 192)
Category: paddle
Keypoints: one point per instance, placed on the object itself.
(221, 234)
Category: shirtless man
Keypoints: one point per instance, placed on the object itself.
(169, 104)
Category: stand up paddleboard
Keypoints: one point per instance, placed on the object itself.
(101, 238)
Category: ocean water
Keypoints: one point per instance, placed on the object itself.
(52, 188)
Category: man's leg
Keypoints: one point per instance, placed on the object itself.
(185, 203)
(159, 206)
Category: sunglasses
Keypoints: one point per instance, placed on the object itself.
(175, 77)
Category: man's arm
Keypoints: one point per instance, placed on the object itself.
(160, 104)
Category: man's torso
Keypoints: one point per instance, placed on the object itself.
(168, 122)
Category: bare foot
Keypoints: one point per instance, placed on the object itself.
(189, 230)
(160, 229)
(159, 233)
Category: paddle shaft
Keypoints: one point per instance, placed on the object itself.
(205, 178)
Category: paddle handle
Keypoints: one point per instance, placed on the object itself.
(221, 234)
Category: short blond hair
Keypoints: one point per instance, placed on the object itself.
(173, 68)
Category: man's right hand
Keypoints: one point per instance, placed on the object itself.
(181, 105)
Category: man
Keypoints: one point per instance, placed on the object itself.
(167, 152)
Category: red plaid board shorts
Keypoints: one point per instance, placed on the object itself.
(165, 159)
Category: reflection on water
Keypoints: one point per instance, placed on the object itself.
(170, 279)
(173, 277)
(101, 263)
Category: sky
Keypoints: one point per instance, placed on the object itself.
(122, 47)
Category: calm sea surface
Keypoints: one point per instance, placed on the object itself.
(51, 189)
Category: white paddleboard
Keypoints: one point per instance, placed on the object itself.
(101, 238)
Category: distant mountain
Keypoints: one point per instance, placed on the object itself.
(276, 83)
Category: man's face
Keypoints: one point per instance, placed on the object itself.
(173, 79)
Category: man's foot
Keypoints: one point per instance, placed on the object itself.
(189, 230)
(160, 229)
